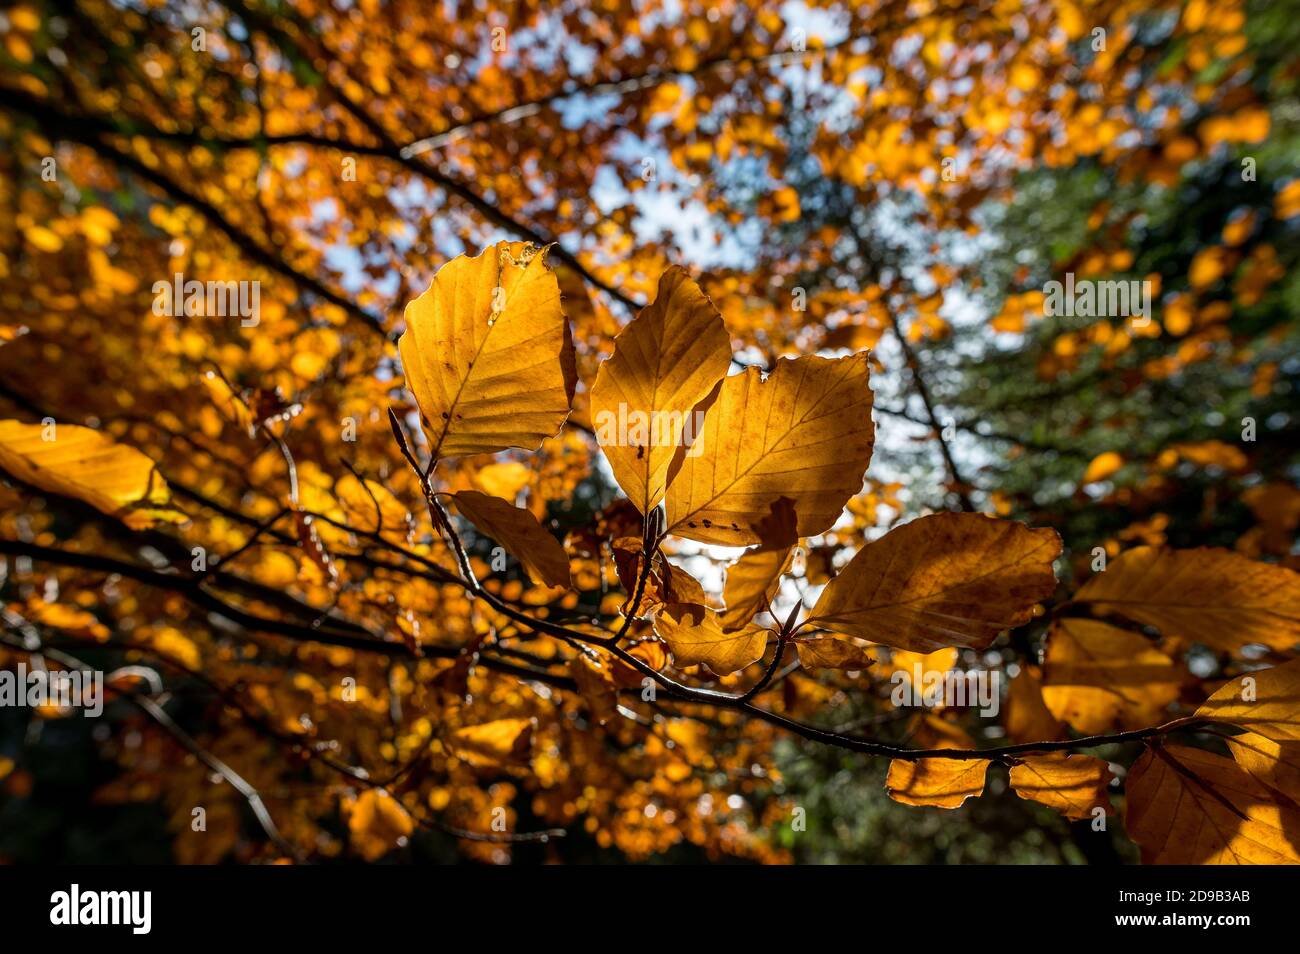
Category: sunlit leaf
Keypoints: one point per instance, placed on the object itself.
(79, 462)
(488, 353)
(945, 580)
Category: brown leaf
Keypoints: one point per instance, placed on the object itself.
(831, 652)
(1210, 596)
(1100, 678)
(665, 361)
(1191, 807)
(1072, 784)
(695, 636)
(936, 783)
(949, 579)
(540, 554)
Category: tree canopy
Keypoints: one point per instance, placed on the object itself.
(641, 429)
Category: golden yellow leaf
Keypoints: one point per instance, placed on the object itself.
(695, 636)
(229, 403)
(593, 674)
(503, 479)
(753, 580)
(664, 363)
(1276, 764)
(501, 742)
(949, 579)
(1210, 596)
(1188, 806)
(90, 466)
(1266, 702)
(1027, 718)
(804, 432)
(1072, 784)
(1101, 678)
(378, 823)
(665, 582)
(831, 652)
(1102, 466)
(936, 783)
(70, 619)
(488, 353)
(940, 661)
(369, 505)
(540, 554)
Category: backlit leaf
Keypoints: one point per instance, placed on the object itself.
(1266, 701)
(752, 581)
(830, 652)
(488, 354)
(949, 579)
(502, 742)
(695, 636)
(1210, 596)
(936, 783)
(1188, 806)
(541, 555)
(89, 466)
(1072, 784)
(803, 432)
(664, 363)
(1100, 678)
(378, 823)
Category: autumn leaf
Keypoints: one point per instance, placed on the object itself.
(540, 554)
(936, 783)
(498, 743)
(592, 672)
(90, 466)
(803, 432)
(695, 636)
(1276, 764)
(1209, 596)
(488, 353)
(1027, 717)
(626, 676)
(664, 363)
(948, 579)
(370, 506)
(1266, 702)
(1102, 466)
(1098, 677)
(919, 666)
(752, 581)
(1189, 806)
(282, 192)
(1074, 785)
(831, 652)
(665, 581)
(377, 823)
